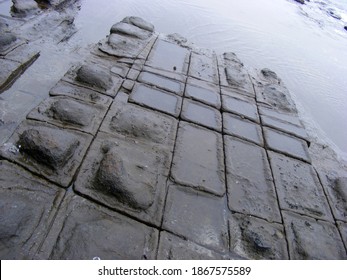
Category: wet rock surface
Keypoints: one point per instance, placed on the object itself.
(152, 148)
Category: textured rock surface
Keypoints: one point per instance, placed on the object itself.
(149, 148)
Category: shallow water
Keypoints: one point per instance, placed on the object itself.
(302, 43)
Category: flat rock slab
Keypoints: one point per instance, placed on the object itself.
(286, 127)
(286, 144)
(186, 208)
(240, 107)
(298, 187)
(70, 113)
(172, 247)
(125, 175)
(81, 93)
(162, 101)
(133, 121)
(9, 70)
(253, 192)
(242, 128)
(94, 77)
(84, 230)
(253, 238)
(311, 239)
(198, 159)
(284, 117)
(201, 114)
(204, 67)
(28, 206)
(47, 150)
(176, 62)
(161, 82)
(336, 189)
(204, 92)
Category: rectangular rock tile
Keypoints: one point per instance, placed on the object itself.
(289, 128)
(24, 54)
(237, 77)
(84, 231)
(237, 93)
(127, 176)
(66, 89)
(286, 144)
(28, 205)
(201, 114)
(198, 159)
(253, 238)
(311, 239)
(204, 67)
(171, 75)
(203, 92)
(156, 99)
(140, 123)
(242, 128)
(133, 74)
(240, 107)
(197, 216)
(161, 82)
(343, 230)
(70, 113)
(298, 187)
(47, 150)
(336, 190)
(95, 77)
(249, 181)
(172, 247)
(168, 57)
(128, 85)
(285, 117)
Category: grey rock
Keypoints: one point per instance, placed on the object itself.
(204, 67)
(125, 175)
(139, 22)
(114, 177)
(240, 107)
(242, 128)
(70, 113)
(156, 99)
(300, 1)
(284, 117)
(94, 76)
(186, 208)
(343, 230)
(129, 30)
(161, 82)
(336, 189)
(254, 238)
(25, 7)
(9, 71)
(298, 187)
(253, 192)
(278, 97)
(140, 123)
(6, 38)
(311, 239)
(198, 159)
(286, 144)
(63, 88)
(204, 92)
(269, 74)
(84, 231)
(48, 150)
(28, 205)
(201, 114)
(176, 62)
(172, 247)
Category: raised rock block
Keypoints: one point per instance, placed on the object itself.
(47, 150)
(161, 82)
(241, 107)
(311, 239)
(204, 67)
(253, 238)
(125, 175)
